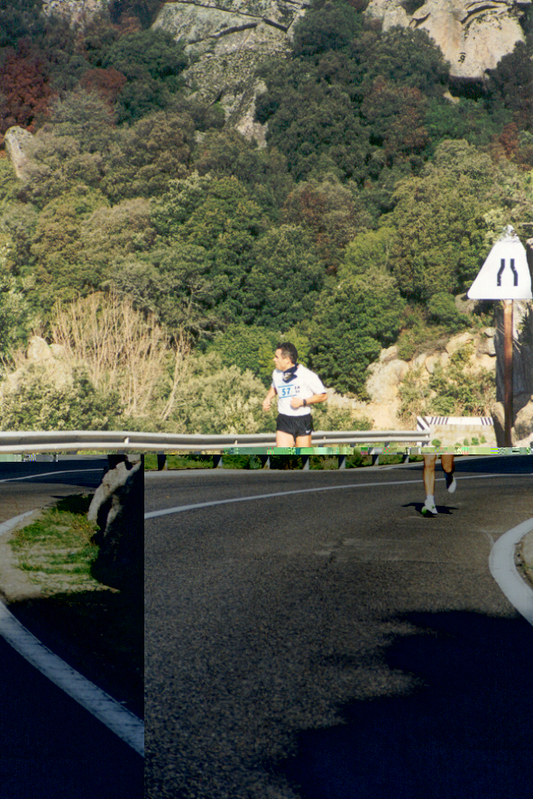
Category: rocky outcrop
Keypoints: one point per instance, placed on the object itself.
(118, 508)
(18, 142)
(472, 34)
(45, 357)
(486, 353)
(385, 377)
(77, 11)
(228, 40)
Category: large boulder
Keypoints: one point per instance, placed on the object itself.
(18, 142)
(45, 358)
(473, 36)
(118, 509)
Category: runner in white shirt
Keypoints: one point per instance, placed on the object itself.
(296, 387)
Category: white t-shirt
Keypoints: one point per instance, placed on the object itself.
(303, 385)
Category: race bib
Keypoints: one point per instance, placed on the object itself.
(288, 391)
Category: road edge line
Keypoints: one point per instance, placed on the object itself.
(503, 569)
(101, 705)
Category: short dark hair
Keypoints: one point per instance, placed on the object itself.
(288, 350)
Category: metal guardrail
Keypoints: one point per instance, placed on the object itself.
(27, 441)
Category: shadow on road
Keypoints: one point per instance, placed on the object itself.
(466, 731)
(517, 464)
(99, 633)
(444, 510)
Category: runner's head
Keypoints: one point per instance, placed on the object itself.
(286, 355)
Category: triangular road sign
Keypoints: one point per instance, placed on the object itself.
(505, 273)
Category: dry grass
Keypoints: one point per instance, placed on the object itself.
(123, 350)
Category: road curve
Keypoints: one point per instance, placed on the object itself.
(335, 643)
(50, 746)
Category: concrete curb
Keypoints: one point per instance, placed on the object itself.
(106, 709)
(525, 557)
(503, 569)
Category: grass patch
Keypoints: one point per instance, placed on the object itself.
(185, 461)
(56, 551)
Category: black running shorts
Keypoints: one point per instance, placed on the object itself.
(295, 425)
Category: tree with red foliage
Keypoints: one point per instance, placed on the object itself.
(107, 83)
(24, 90)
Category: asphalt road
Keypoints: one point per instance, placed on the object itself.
(335, 643)
(50, 747)
(27, 486)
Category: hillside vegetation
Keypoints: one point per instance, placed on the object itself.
(163, 256)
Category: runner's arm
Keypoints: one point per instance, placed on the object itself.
(296, 402)
(269, 397)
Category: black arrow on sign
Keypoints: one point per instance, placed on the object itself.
(513, 270)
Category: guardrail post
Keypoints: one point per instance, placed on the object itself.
(265, 461)
(341, 461)
(305, 462)
(217, 461)
(375, 457)
(161, 461)
(406, 456)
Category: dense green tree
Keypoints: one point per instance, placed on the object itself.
(443, 310)
(14, 312)
(19, 20)
(172, 282)
(226, 208)
(326, 26)
(442, 219)
(58, 267)
(396, 119)
(262, 170)
(226, 222)
(369, 251)
(355, 317)
(182, 197)
(69, 151)
(510, 85)
(17, 226)
(401, 56)
(144, 158)
(308, 117)
(248, 347)
(83, 115)
(151, 62)
(329, 212)
(285, 280)
(463, 118)
(341, 357)
(110, 233)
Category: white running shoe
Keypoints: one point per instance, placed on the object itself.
(451, 482)
(429, 509)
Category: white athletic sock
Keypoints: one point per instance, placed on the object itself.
(430, 499)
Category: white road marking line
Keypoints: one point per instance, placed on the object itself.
(47, 474)
(504, 571)
(181, 508)
(106, 709)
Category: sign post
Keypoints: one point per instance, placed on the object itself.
(505, 276)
